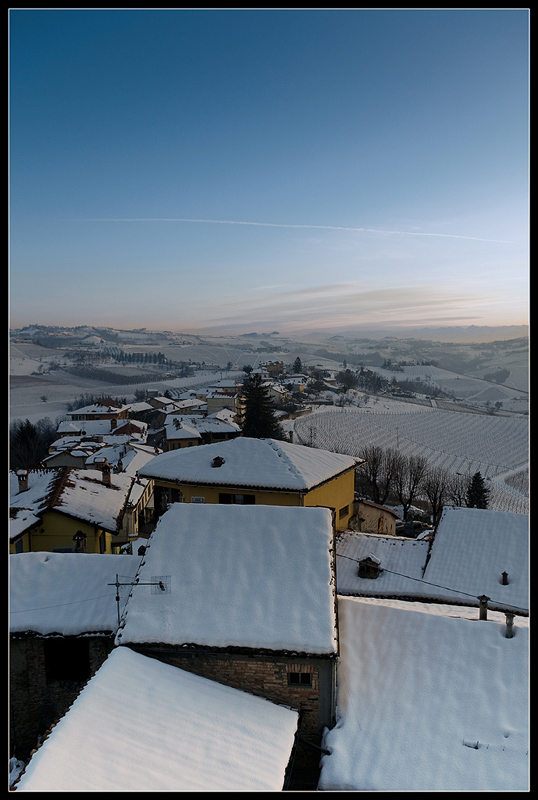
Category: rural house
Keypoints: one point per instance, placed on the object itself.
(70, 510)
(255, 471)
(375, 518)
(63, 616)
(189, 430)
(104, 408)
(244, 595)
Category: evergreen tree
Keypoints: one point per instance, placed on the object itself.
(477, 492)
(259, 419)
(29, 443)
(297, 365)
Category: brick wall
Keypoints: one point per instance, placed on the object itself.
(36, 700)
(265, 676)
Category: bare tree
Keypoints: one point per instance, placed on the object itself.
(457, 490)
(436, 484)
(408, 479)
(376, 476)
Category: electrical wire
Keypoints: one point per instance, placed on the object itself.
(438, 586)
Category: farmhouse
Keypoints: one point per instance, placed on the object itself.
(62, 620)
(255, 471)
(105, 408)
(246, 596)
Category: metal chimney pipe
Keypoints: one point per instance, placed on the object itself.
(509, 624)
(483, 606)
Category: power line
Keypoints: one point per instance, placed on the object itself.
(437, 585)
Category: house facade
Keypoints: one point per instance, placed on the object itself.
(372, 517)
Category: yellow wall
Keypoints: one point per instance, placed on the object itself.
(57, 531)
(336, 494)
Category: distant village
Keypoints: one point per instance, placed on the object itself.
(154, 537)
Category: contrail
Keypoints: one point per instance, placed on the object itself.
(314, 227)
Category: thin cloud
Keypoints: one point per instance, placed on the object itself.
(310, 227)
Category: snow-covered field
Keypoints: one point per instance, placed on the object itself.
(496, 446)
(470, 390)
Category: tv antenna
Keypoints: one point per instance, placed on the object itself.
(161, 584)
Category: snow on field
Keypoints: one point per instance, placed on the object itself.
(474, 391)
(459, 442)
(429, 699)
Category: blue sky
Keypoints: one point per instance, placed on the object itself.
(268, 169)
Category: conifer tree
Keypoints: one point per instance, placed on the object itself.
(259, 419)
(477, 492)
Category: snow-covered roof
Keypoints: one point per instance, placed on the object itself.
(470, 551)
(141, 725)
(85, 496)
(78, 493)
(247, 576)
(24, 505)
(430, 698)
(192, 426)
(401, 560)
(67, 593)
(110, 407)
(264, 463)
(473, 547)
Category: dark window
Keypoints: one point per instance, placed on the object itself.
(67, 659)
(237, 499)
(300, 678)
(343, 512)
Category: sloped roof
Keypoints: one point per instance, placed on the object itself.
(239, 576)
(82, 494)
(67, 593)
(470, 551)
(141, 725)
(263, 463)
(473, 547)
(430, 698)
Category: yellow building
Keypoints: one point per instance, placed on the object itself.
(71, 510)
(255, 472)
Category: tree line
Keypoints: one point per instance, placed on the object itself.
(389, 475)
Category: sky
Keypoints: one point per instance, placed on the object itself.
(292, 170)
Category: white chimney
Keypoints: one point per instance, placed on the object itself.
(22, 475)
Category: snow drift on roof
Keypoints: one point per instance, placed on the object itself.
(264, 463)
(248, 576)
(67, 593)
(428, 702)
(141, 725)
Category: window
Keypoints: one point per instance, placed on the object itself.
(299, 679)
(343, 512)
(237, 499)
(67, 659)
(197, 499)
